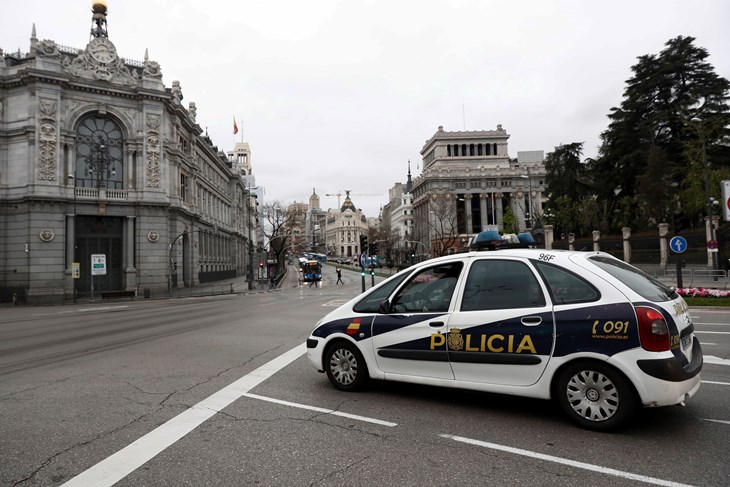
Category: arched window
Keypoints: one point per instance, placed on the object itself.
(99, 153)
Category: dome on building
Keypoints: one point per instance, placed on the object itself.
(348, 204)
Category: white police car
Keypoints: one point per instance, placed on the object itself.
(583, 328)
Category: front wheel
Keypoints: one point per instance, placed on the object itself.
(596, 396)
(345, 366)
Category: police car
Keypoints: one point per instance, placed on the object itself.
(583, 328)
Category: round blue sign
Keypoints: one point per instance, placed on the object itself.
(678, 244)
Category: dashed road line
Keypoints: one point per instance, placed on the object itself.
(322, 410)
(711, 359)
(565, 461)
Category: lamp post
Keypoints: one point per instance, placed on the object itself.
(72, 178)
(708, 199)
(249, 267)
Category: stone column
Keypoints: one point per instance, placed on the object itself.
(596, 240)
(626, 233)
(498, 210)
(549, 236)
(571, 240)
(483, 210)
(467, 212)
(663, 231)
(711, 255)
(130, 271)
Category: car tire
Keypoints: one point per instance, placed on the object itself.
(345, 366)
(596, 396)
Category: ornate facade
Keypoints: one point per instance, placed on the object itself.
(469, 183)
(99, 157)
(343, 230)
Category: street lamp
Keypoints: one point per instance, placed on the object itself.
(72, 179)
(708, 199)
(249, 268)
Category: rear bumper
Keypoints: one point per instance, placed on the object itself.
(672, 369)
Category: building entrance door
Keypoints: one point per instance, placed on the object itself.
(99, 235)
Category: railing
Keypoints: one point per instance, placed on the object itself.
(101, 193)
(706, 278)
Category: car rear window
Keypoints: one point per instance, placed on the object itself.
(565, 287)
(641, 283)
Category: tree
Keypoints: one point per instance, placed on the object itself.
(442, 222)
(570, 188)
(652, 133)
(279, 226)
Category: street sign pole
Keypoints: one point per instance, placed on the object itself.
(678, 245)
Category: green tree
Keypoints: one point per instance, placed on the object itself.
(569, 188)
(650, 146)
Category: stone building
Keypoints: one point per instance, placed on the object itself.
(398, 219)
(343, 229)
(99, 157)
(468, 184)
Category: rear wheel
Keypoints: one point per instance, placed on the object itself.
(345, 366)
(596, 396)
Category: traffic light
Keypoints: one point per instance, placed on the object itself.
(363, 243)
(374, 248)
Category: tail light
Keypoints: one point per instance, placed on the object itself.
(653, 330)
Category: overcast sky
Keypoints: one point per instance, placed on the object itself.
(338, 95)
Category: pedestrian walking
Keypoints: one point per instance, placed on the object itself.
(339, 276)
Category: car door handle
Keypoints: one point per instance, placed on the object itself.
(436, 324)
(531, 320)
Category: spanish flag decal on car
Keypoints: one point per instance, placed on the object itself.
(353, 327)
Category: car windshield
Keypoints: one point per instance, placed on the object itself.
(641, 283)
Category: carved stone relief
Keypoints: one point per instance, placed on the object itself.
(48, 48)
(152, 143)
(48, 141)
(100, 61)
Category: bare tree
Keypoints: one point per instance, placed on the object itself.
(442, 223)
(279, 225)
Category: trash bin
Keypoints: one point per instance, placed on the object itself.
(147, 293)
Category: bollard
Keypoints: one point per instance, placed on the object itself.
(15, 299)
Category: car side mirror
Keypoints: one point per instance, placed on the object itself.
(384, 307)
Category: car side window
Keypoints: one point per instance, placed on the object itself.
(501, 284)
(371, 302)
(564, 286)
(428, 290)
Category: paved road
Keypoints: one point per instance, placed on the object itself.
(216, 391)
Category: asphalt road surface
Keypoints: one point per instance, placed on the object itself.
(218, 391)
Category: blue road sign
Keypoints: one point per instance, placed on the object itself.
(678, 244)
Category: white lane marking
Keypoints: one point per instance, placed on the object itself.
(711, 359)
(714, 332)
(565, 461)
(710, 324)
(715, 420)
(130, 458)
(715, 382)
(322, 410)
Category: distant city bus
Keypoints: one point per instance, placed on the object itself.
(311, 271)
